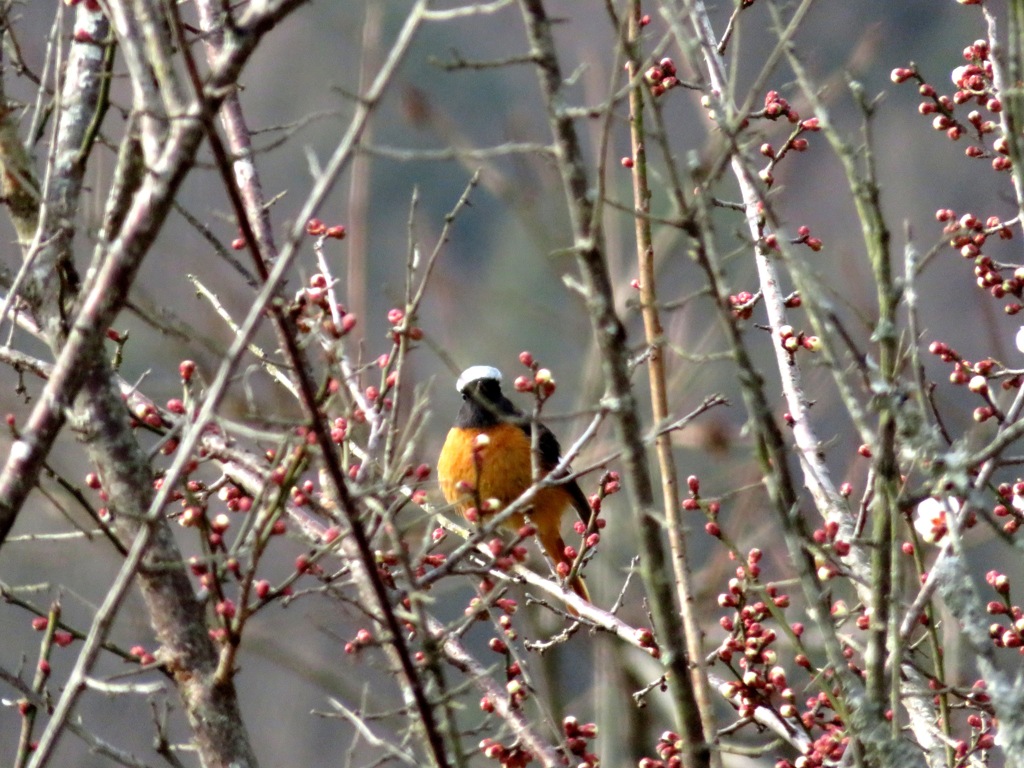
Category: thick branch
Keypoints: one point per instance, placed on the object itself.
(619, 399)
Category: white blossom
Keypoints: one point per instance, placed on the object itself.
(930, 518)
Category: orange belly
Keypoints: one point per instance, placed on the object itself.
(504, 472)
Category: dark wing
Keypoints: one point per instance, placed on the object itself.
(550, 454)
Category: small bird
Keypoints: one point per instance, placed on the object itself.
(502, 468)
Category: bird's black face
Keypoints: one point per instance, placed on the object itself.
(483, 391)
(484, 405)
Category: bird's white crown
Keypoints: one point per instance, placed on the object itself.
(475, 373)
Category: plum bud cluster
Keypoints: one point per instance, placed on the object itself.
(511, 756)
(478, 607)
(830, 550)
(976, 95)
(661, 77)
(144, 657)
(804, 237)
(795, 142)
(828, 748)
(364, 638)
(577, 741)
(775, 107)
(743, 304)
(541, 382)
(748, 650)
(792, 341)
(418, 477)
(974, 88)
(608, 485)
(670, 750)
(589, 532)
(401, 325)
(978, 377)
(645, 639)
(316, 228)
(506, 555)
(1011, 634)
(976, 703)
(1010, 506)
(760, 681)
(62, 638)
(311, 310)
(968, 235)
(827, 728)
(577, 736)
(983, 738)
(694, 503)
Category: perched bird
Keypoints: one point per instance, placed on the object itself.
(503, 468)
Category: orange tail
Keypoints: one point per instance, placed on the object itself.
(553, 544)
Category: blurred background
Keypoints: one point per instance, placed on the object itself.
(498, 289)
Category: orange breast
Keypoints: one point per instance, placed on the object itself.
(505, 471)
